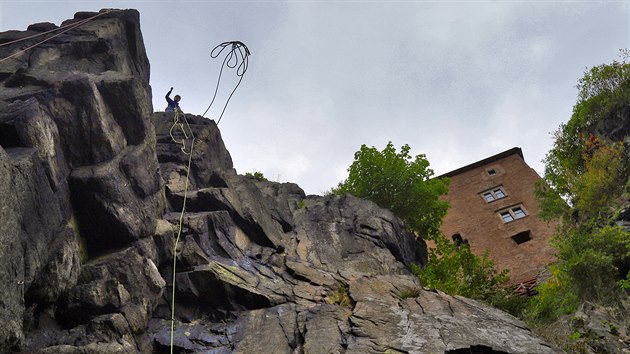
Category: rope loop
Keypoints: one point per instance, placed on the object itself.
(237, 57)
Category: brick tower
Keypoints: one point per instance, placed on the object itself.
(493, 208)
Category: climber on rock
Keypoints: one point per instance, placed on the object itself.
(172, 104)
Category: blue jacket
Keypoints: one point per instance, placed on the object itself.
(171, 104)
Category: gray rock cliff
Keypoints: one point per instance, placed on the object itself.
(92, 186)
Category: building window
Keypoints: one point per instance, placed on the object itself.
(522, 237)
(519, 212)
(492, 172)
(493, 194)
(506, 216)
(513, 213)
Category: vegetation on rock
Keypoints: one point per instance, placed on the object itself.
(401, 183)
(339, 296)
(455, 270)
(257, 175)
(586, 184)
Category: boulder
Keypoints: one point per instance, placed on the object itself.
(122, 282)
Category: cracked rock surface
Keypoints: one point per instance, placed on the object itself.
(92, 189)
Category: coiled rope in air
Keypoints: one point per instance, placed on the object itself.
(65, 29)
(237, 51)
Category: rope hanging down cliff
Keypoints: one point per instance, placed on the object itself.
(237, 51)
(177, 122)
(180, 121)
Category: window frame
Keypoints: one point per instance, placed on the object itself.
(505, 215)
(513, 213)
(493, 193)
(518, 211)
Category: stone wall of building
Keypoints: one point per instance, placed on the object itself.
(480, 193)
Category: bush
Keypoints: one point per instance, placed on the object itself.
(455, 270)
(556, 297)
(400, 183)
(602, 180)
(594, 260)
(257, 175)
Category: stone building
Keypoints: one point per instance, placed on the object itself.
(493, 208)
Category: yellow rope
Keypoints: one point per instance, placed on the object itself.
(244, 53)
(176, 122)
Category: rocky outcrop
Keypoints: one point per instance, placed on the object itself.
(93, 186)
(79, 172)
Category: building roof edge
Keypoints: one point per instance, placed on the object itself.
(487, 160)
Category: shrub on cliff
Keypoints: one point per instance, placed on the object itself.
(401, 183)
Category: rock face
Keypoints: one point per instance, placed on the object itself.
(93, 185)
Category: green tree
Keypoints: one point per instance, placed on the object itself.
(603, 90)
(401, 183)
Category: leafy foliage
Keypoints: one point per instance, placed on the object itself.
(256, 175)
(400, 183)
(602, 180)
(602, 90)
(455, 270)
(563, 292)
(594, 259)
(591, 173)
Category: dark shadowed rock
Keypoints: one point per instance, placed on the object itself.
(210, 158)
(615, 125)
(12, 265)
(118, 201)
(119, 282)
(28, 124)
(47, 236)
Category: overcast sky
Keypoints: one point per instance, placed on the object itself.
(456, 80)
